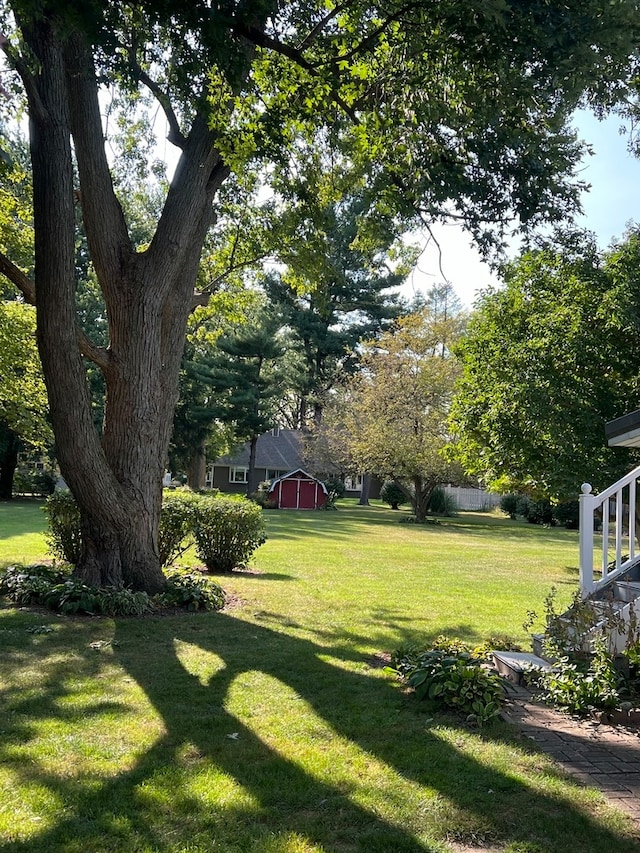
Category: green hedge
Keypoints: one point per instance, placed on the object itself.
(227, 532)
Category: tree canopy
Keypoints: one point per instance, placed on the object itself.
(546, 362)
(444, 109)
(393, 417)
(339, 262)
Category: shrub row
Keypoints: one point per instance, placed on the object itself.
(57, 589)
(226, 531)
(541, 511)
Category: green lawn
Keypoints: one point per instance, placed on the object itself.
(268, 728)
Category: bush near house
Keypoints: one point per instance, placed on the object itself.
(30, 481)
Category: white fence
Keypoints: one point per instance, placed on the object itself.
(469, 499)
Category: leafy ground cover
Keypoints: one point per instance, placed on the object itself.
(270, 728)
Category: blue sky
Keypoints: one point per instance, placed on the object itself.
(611, 203)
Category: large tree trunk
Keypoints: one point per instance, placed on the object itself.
(421, 493)
(8, 463)
(252, 480)
(366, 488)
(197, 467)
(117, 482)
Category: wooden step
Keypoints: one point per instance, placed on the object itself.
(514, 665)
(626, 591)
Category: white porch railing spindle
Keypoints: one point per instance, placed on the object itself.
(587, 506)
(606, 515)
(624, 490)
(632, 519)
(619, 513)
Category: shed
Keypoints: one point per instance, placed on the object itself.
(298, 490)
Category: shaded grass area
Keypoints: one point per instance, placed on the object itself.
(269, 728)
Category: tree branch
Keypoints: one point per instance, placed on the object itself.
(28, 81)
(98, 355)
(104, 220)
(311, 35)
(175, 135)
(187, 211)
(261, 39)
(366, 43)
(15, 275)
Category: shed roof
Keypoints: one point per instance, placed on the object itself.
(292, 474)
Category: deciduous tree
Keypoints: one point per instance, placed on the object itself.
(453, 108)
(546, 361)
(394, 416)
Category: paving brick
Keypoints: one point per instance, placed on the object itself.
(594, 753)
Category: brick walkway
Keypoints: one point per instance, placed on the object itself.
(603, 756)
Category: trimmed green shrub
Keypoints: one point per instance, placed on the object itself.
(536, 512)
(509, 505)
(567, 514)
(64, 536)
(176, 521)
(440, 503)
(392, 494)
(227, 532)
(192, 591)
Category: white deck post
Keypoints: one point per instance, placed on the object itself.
(587, 501)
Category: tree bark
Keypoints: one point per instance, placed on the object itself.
(252, 484)
(117, 481)
(366, 487)
(197, 468)
(420, 501)
(8, 464)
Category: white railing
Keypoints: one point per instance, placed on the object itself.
(615, 508)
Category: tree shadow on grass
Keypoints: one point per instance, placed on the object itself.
(219, 779)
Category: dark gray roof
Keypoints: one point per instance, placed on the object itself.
(624, 431)
(281, 451)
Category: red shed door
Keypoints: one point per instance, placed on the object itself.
(307, 494)
(289, 494)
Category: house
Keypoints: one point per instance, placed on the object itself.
(278, 452)
(298, 490)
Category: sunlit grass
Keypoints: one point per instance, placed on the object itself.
(22, 526)
(269, 728)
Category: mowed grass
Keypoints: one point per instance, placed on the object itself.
(270, 728)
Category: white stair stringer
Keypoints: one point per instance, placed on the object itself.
(620, 617)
